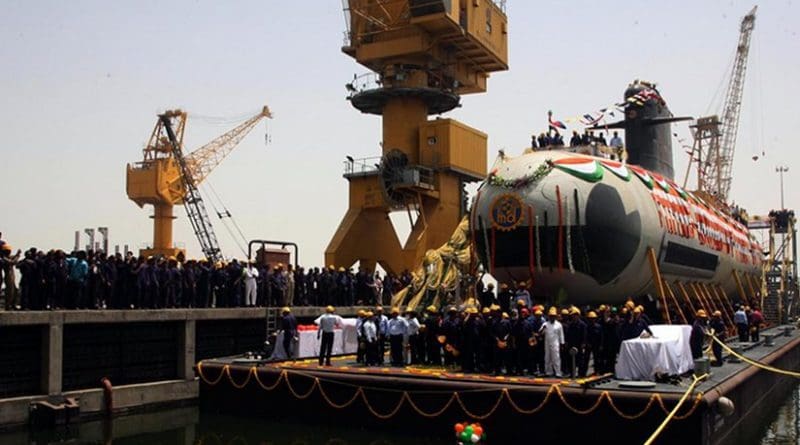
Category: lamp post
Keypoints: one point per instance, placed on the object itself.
(781, 170)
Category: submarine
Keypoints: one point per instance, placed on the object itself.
(583, 226)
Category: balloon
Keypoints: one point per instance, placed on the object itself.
(465, 437)
(469, 430)
(475, 438)
(478, 430)
(459, 428)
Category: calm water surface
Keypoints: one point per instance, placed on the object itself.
(189, 426)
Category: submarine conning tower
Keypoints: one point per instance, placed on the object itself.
(648, 136)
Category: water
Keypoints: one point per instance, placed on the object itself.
(188, 426)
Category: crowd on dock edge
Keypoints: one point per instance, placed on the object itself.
(93, 280)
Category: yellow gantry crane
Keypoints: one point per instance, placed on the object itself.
(423, 55)
(166, 177)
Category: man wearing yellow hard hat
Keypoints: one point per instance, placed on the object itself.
(328, 322)
(289, 329)
(553, 334)
(398, 330)
(698, 333)
(432, 327)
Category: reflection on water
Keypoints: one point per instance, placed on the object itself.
(785, 429)
(188, 426)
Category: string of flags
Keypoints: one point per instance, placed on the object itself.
(598, 117)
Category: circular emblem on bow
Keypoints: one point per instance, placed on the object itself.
(506, 212)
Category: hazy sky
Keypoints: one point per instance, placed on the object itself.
(82, 82)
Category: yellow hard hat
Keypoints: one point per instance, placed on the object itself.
(331, 267)
(472, 310)
(591, 314)
(341, 269)
(330, 309)
(505, 315)
(369, 314)
(701, 313)
(522, 284)
(574, 311)
(717, 314)
(286, 309)
(537, 312)
(624, 310)
(553, 311)
(520, 302)
(432, 309)
(602, 308)
(637, 310)
(486, 310)
(494, 307)
(395, 310)
(361, 313)
(564, 311)
(6, 247)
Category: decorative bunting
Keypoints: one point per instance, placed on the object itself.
(643, 175)
(583, 168)
(618, 169)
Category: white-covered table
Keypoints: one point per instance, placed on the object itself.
(667, 353)
(307, 345)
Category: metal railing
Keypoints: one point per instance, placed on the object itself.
(354, 166)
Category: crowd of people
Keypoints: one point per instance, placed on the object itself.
(93, 280)
(528, 340)
(507, 334)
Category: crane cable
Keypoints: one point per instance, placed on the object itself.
(225, 213)
(672, 413)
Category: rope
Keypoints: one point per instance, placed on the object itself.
(531, 411)
(481, 416)
(597, 402)
(569, 237)
(210, 382)
(677, 407)
(233, 382)
(384, 416)
(294, 393)
(560, 254)
(433, 414)
(281, 376)
(336, 405)
(538, 246)
(753, 362)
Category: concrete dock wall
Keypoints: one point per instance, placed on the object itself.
(148, 355)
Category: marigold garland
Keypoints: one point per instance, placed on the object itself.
(541, 171)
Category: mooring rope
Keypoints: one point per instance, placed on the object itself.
(695, 382)
(753, 362)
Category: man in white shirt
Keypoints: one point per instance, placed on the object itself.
(398, 329)
(250, 275)
(382, 323)
(370, 330)
(328, 322)
(414, 345)
(553, 342)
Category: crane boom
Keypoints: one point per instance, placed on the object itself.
(201, 161)
(721, 161)
(192, 201)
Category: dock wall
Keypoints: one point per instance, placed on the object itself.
(147, 355)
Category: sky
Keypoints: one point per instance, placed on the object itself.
(82, 82)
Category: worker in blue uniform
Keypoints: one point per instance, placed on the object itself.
(698, 333)
(501, 334)
(718, 327)
(575, 336)
(289, 328)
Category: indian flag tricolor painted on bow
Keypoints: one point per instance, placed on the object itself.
(643, 175)
(618, 168)
(661, 182)
(586, 169)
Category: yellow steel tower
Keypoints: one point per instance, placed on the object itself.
(166, 177)
(424, 54)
